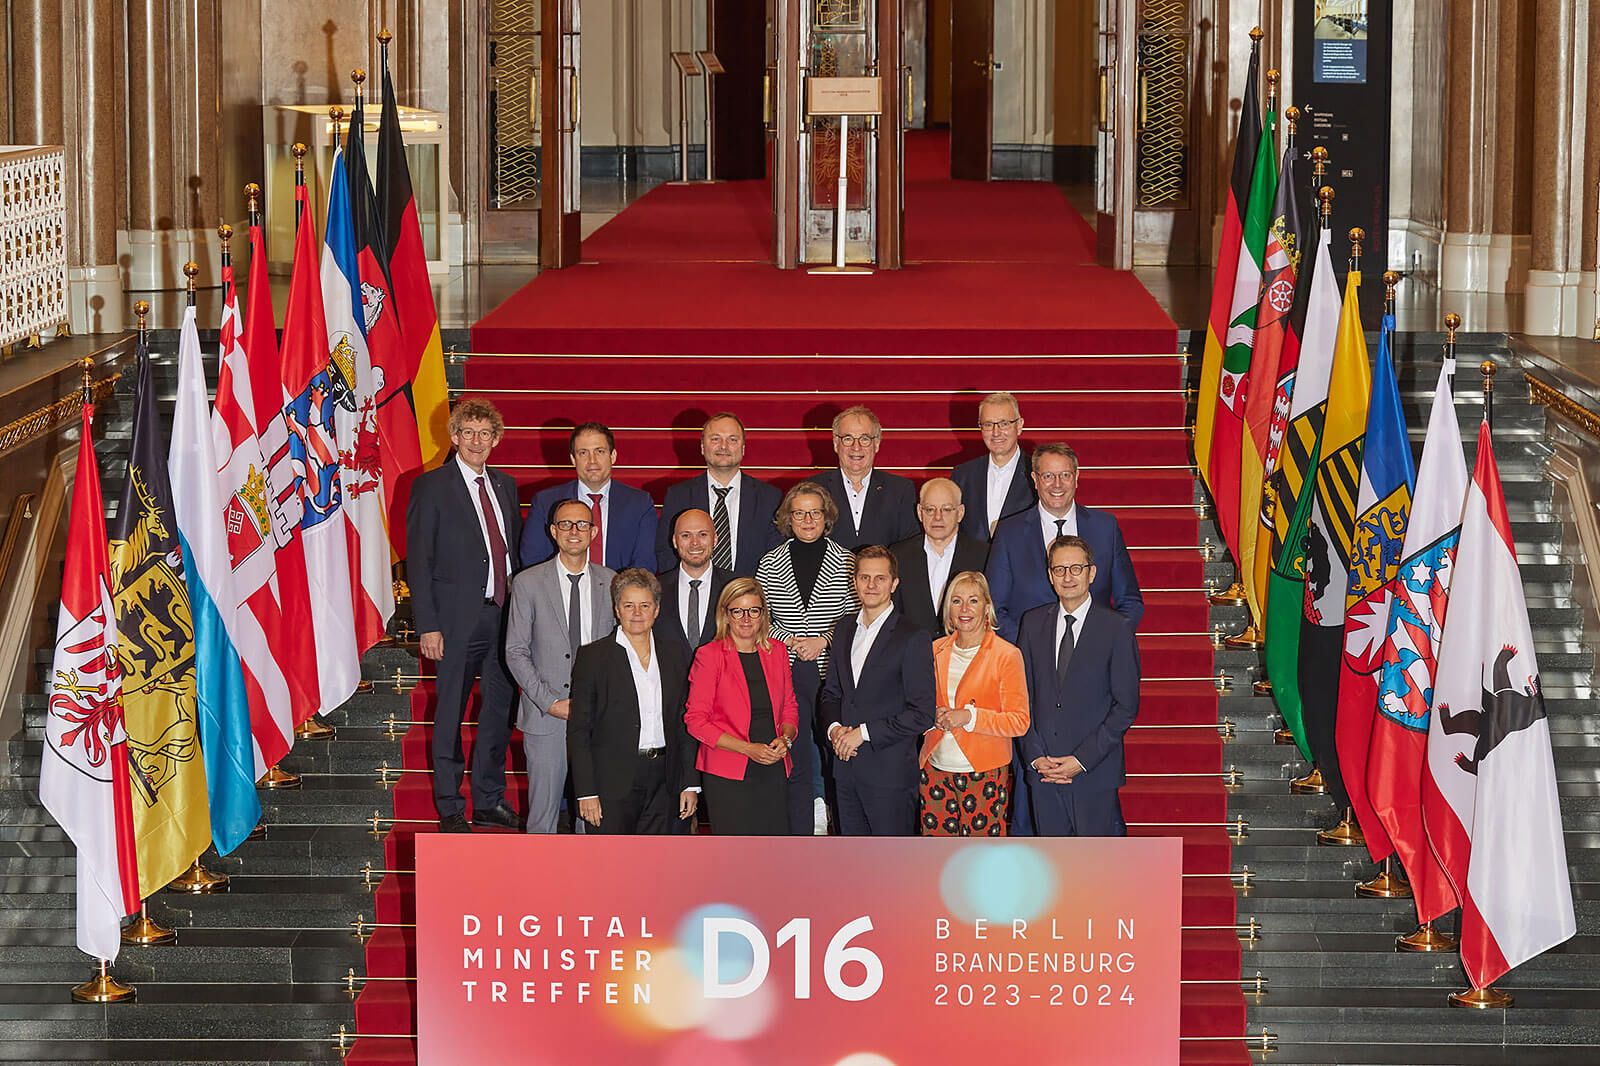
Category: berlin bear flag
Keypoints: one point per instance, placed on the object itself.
(1489, 788)
(83, 779)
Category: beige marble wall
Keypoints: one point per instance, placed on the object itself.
(1560, 297)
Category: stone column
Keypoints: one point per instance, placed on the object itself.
(1417, 145)
(1469, 137)
(1512, 210)
(153, 256)
(1560, 132)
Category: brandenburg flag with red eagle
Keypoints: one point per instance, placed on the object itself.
(83, 780)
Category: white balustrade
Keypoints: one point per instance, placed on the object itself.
(33, 241)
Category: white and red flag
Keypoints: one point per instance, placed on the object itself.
(83, 780)
(1489, 787)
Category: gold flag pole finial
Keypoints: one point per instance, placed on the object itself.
(190, 269)
(1391, 278)
(359, 76)
(1325, 196)
(1291, 115)
(1272, 89)
(1255, 36)
(1319, 166)
(1357, 235)
(336, 116)
(225, 235)
(252, 198)
(384, 37)
(141, 311)
(1452, 322)
(87, 365)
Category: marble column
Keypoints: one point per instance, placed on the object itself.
(1421, 35)
(1512, 209)
(1469, 135)
(149, 243)
(1560, 161)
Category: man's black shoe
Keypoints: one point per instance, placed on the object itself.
(502, 817)
(454, 823)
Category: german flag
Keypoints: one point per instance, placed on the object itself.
(413, 296)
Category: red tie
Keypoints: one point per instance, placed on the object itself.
(497, 543)
(597, 546)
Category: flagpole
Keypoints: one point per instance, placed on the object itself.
(1452, 322)
(1487, 370)
(299, 153)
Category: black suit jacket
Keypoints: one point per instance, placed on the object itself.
(669, 624)
(755, 532)
(447, 561)
(1089, 715)
(894, 696)
(914, 597)
(889, 516)
(603, 732)
(972, 477)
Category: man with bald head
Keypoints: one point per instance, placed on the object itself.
(929, 561)
(689, 590)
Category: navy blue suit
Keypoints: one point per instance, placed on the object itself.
(972, 477)
(755, 532)
(895, 697)
(629, 536)
(1018, 572)
(1085, 717)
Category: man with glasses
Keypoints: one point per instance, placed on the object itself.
(741, 507)
(874, 507)
(556, 607)
(1016, 568)
(624, 518)
(928, 562)
(996, 485)
(1082, 665)
(462, 528)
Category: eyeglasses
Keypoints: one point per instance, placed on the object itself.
(744, 612)
(567, 525)
(1068, 568)
(945, 511)
(850, 440)
(806, 516)
(1061, 477)
(995, 427)
(475, 434)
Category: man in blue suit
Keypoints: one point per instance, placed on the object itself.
(1016, 569)
(741, 512)
(877, 702)
(1082, 665)
(996, 485)
(624, 517)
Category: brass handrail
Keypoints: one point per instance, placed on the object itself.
(51, 416)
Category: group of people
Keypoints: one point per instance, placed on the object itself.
(854, 652)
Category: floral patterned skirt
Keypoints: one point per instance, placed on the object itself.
(964, 805)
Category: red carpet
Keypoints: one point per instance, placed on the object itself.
(1002, 267)
(1004, 293)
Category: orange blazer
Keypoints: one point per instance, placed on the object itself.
(998, 689)
(719, 702)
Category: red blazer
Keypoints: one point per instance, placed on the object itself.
(719, 702)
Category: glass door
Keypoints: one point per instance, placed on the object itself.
(838, 39)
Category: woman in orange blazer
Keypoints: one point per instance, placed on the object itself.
(742, 709)
(983, 703)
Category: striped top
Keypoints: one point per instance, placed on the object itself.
(832, 599)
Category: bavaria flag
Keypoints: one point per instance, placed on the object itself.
(1410, 651)
(1383, 508)
(223, 700)
(1489, 791)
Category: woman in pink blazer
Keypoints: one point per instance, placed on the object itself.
(742, 709)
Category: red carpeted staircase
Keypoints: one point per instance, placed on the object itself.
(1125, 416)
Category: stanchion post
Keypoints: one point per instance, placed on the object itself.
(842, 206)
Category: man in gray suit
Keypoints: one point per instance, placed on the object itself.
(556, 607)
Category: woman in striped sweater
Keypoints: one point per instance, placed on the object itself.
(809, 581)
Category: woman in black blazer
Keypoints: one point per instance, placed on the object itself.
(632, 761)
(809, 580)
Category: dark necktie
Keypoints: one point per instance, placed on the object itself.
(497, 543)
(1061, 527)
(1064, 653)
(574, 613)
(722, 554)
(597, 546)
(692, 630)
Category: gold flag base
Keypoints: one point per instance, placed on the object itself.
(259, 832)
(1425, 939)
(1232, 596)
(1481, 998)
(837, 271)
(364, 685)
(314, 729)
(1283, 736)
(1310, 785)
(1347, 834)
(1385, 886)
(1262, 687)
(146, 932)
(278, 778)
(102, 988)
(197, 880)
(1248, 640)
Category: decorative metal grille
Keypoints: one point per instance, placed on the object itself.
(33, 242)
(513, 103)
(840, 15)
(1161, 171)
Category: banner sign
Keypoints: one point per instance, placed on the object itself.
(796, 951)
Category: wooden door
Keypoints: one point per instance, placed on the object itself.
(560, 220)
(1114, 162)
(972, 68)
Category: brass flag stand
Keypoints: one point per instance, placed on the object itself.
(102, 988)
(1387, 885)
(1347, 834)
(1426, 938)
(145, 931)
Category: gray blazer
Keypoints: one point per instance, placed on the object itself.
(537, 652)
